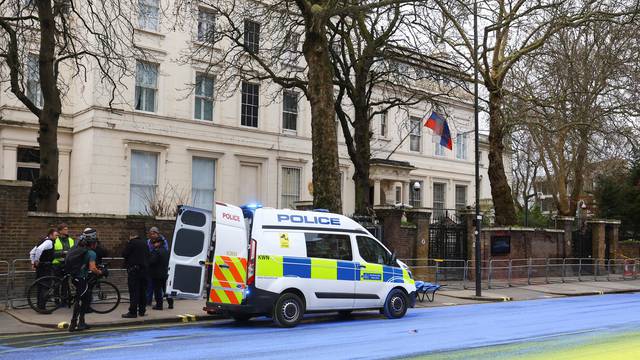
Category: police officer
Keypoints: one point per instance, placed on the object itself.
(61, 246)
(136, 260)
(41, 258)
(89, 241)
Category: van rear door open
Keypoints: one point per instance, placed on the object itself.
(191, 240)
(230, 257)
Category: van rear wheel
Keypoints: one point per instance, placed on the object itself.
(288, 310)
(396, 304)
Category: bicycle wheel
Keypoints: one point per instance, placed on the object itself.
(44, 294)
(105, 297)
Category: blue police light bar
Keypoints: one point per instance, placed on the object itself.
(321, 210)
(249, 209)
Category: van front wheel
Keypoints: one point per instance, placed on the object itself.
(288, 310)
(396, 305)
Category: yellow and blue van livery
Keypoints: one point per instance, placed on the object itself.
(284, 263)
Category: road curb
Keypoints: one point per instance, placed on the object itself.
(181, 318)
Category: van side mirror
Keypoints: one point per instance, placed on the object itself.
(394, 259)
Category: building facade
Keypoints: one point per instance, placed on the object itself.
(165, 141)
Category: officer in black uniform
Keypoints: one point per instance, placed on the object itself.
(42, 257)
(136, 260)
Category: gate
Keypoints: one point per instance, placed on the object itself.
(370, 223)
(448, 237)
(582, 246)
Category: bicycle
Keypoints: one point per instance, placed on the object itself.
(49, 293)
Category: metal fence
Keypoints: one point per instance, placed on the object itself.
(521, 272)
(17, 276)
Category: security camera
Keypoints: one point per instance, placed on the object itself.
(416, 186)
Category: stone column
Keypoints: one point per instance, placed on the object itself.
(63, 180)
(467, 216)
(420, 217)
(597, 238)
(9, 158)
(405, 192)
(613, 234)
(376, 192)
(566, 223)
(391, 219)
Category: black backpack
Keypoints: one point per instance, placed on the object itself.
(74, 261)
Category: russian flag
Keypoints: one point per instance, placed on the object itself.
(440, 128)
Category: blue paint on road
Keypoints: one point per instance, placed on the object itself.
(421, 331)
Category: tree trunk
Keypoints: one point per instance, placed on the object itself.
(361, 159)
(326, 173)
(46, 186)
(578, 172)
(500, 190)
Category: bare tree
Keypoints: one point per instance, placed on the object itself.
(377, 68)
(277, 57)
(525, 168)
(509, 30)
(53, 43)
(573, 97)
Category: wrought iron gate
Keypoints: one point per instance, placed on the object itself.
(582, 246)
(448, 238)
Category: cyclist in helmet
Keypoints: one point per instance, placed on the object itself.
(87, 244)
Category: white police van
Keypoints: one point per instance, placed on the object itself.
(283, 263)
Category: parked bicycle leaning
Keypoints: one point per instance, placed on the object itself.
(80, 262)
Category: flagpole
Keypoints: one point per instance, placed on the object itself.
(478, 221)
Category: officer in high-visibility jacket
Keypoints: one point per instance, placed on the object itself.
(61, 246)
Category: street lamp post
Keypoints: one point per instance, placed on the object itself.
(526, 208)
(478, 221)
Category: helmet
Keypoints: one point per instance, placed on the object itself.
(89, 236)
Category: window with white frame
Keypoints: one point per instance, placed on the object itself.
(438, 200)
(290, 192)
(415, 139)
(146, 86)
(461, 196)
(28, 164)
(461, 146)
(383, 124)
(203, 175)
(250, 104)
(252, 36)
(148, 14)
(398, 195)
(34, 90)
(439, 151)
(206, 25)
(289, 110)
(415, 194)
(203, 109)
(143, 182)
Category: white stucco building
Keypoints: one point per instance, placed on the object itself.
(196, 147)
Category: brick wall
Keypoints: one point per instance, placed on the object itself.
(525, 244)
(630, 250)
(21, 230)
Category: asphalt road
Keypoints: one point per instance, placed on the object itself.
(511, 330)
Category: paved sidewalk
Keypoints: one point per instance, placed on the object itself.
(184, 311)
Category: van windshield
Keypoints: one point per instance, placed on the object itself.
(372, 252)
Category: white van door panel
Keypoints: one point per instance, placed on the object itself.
(189, 248)
(229, 275)
(376, 278)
